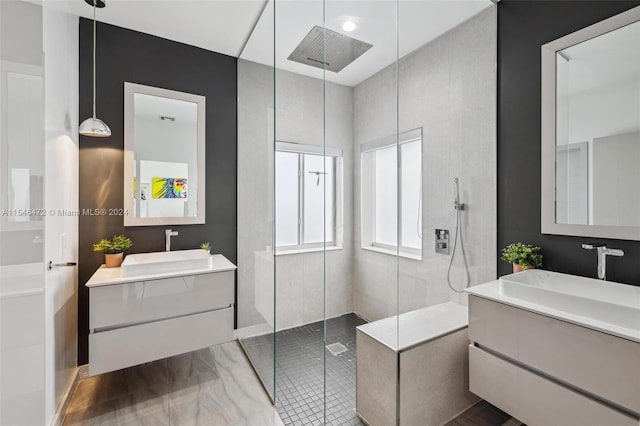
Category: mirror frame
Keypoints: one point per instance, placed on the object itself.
(129, 90)
(548, 134)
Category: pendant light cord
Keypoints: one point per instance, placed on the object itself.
(94, 58)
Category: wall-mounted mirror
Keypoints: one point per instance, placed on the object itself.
(591, 131)
(164, 178)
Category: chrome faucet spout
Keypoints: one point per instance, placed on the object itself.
(603, 251)
(168, 233)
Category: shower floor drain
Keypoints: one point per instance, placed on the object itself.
(336, 348)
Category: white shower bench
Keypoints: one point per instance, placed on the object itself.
(429, 347)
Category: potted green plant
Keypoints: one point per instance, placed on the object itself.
(113, 249)
(206, 246)
(522, 256)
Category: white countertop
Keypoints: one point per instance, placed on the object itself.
(492, 291)
(417, 327)
(111, 276)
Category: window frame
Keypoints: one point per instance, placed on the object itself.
(368, 201)
(301, 150)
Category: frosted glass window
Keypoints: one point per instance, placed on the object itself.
(318, 171)
(411, 189)
(286, 199)
(307, 192)
(386, 196)
(391, 203)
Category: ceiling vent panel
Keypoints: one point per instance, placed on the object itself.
(341, 50)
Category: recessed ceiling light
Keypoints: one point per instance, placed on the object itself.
(349, 26)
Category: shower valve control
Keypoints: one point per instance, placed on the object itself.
(442, 241)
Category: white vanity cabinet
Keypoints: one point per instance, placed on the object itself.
(134, 320)
(542, 369)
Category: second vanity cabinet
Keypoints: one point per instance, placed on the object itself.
(137, 320)
(546, 371)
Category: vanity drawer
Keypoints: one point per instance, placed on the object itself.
(118, 305)
(534, 399)
(596, 362)
(123, 347)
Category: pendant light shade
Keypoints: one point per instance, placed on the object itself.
(93, 126)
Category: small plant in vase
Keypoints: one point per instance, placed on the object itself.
(113, 249)
(522, 256)
(206, 246)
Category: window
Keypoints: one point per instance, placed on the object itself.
(385, 215)
(308, 196)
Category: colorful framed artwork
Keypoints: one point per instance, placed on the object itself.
(167, 188)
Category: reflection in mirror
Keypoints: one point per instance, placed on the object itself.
(22, 154)
(591, 130)
(165, 156)
(598, 130)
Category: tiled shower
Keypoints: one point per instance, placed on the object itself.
(296, 300)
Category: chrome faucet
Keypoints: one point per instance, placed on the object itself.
(603, 252)
(168, 233)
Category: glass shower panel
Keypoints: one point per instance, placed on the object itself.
(300, 295)
(257, 202)
(375, 113)
(360, 107)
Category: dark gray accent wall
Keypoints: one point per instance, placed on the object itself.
(523, 27)
(125, 55)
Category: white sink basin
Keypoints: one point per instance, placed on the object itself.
(605, 301)
(165, 261)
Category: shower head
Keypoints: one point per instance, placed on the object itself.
(326, 49)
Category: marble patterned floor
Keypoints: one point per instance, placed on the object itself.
(213, 386)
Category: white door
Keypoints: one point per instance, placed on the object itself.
(38, 207)
(60, 44)
(22, 174)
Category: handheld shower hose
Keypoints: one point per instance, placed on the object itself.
(458, 207)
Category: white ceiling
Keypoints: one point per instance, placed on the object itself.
(225, 26)
(419, 21)
(218, 25)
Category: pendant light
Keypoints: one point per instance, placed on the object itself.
(93, 126)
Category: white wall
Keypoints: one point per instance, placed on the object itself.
(60, 31)
(447, 87)
(600, 112)
(616, 198)
(300, 280)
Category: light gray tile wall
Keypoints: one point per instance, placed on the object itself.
(255, 184)
(447, 87)
(300, 278)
